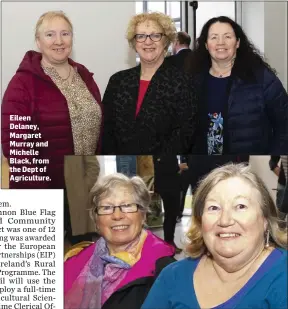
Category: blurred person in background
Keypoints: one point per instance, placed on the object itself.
(59, 96)
(167, 182)
(243, 104)
(150, 108)
(181, 50)
(276, 166)
(81, 173)
(281, 171)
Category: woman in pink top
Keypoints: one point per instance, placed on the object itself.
(119, 269)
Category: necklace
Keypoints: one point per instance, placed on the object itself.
(217, 74)
(50, 66)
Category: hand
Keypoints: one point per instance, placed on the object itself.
(277, 170)
(183, 166)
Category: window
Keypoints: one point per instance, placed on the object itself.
(139, 7)
(173, 9)
(207, 10)
(156, 6)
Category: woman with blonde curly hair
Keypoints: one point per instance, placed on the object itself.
(149, 108)
(236, 246)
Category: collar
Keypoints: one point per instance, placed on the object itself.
(181, 49)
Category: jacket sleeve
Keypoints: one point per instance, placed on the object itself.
(276, 100)
(162, 263)
(184, 122)
(17, 101)
(158, 296)
(108, 139)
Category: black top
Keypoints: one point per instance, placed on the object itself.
(167, 118)
(217, 100)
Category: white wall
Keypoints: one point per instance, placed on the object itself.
(99, 40)
(276, 37)
(253, 22)
(207, 10)
(260, 165)
(204, 12)
(265, 23)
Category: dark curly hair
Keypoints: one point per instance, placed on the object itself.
(248, 57)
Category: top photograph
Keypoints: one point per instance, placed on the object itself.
(116, 78)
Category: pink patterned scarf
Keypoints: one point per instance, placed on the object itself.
(101, 275)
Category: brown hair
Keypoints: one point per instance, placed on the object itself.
(183, 38)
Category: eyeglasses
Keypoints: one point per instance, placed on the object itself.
(108, 210)
(155, 37)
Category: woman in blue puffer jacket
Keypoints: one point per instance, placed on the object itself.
(243, 105)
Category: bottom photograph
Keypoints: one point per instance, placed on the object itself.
(152, 231)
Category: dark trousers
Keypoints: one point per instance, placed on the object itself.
(182, 198)
(171, 204)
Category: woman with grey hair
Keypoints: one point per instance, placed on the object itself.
(118, 270)
(235, 244)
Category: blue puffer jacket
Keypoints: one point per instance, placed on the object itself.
(255, 119)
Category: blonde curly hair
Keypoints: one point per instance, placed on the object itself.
(195, 246)
(165, 22)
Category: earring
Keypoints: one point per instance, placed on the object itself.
(267, 239)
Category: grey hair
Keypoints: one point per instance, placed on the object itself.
(196, 246)
(105, 185)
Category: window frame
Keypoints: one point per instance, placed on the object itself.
(176, 19)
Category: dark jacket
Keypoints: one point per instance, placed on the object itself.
(166, 120)
(179, 60)
(135, 286)
(166, 173)
(255, 118)
(134, 293)
(32, 93)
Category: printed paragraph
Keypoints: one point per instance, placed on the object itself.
(26, 142)
(31, 249)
